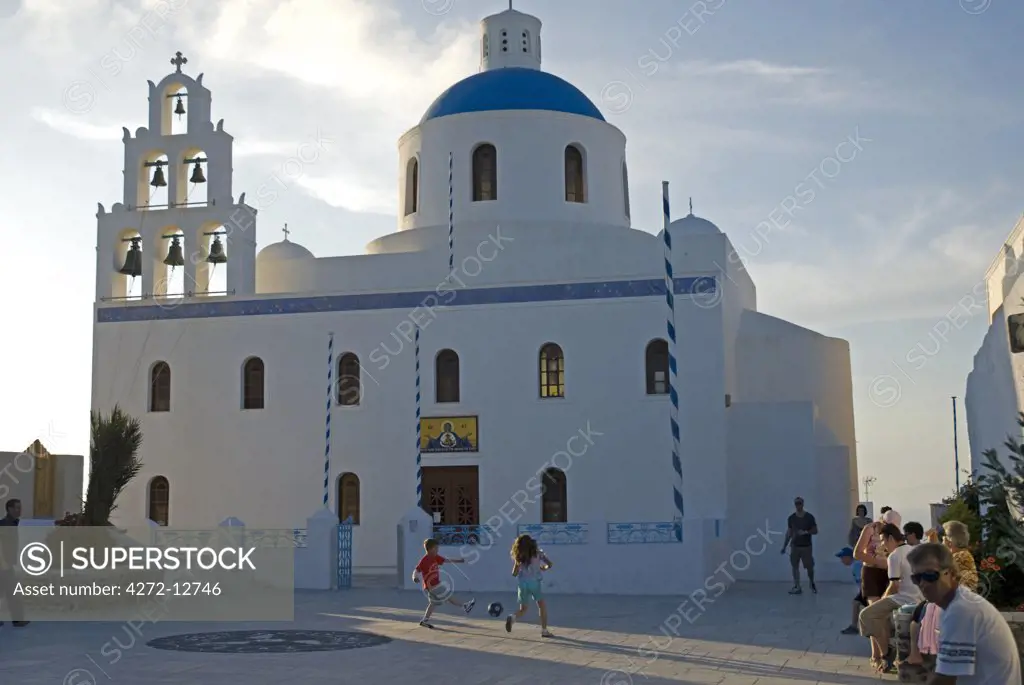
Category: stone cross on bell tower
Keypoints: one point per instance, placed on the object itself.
(177, 61)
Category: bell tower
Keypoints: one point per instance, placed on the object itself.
(510, 39)
(178, 232)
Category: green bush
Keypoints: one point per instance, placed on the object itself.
(1001, 557)
(960, 510)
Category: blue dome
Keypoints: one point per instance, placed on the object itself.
(512, 88)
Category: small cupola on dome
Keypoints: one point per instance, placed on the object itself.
(693, 225)
(283, 251)
(510, 39)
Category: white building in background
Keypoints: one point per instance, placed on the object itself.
(996, 382)
(48, 485)
(543, 358)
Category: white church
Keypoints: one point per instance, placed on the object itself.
(543, 362)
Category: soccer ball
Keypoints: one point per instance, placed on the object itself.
(495, 609)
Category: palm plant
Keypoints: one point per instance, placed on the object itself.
(113, 463)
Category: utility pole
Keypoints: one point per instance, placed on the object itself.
(956, 449)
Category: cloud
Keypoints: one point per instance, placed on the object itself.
(914, 257)
(348, 192)
(777, 73)
(75, 126)
(359, 49)
(78, 127)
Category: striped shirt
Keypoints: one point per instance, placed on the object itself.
(975, 643)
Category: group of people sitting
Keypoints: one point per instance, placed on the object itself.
(879, 553)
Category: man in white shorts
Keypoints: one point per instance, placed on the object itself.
(976, 646)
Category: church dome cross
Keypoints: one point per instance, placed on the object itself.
(177, 61)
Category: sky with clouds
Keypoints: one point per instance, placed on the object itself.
(901, 119)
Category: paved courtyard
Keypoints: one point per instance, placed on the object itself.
(753, 634)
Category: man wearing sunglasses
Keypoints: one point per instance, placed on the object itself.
(976, 646)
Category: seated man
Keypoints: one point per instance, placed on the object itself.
(846, 556)
(976, 644)
(924, 627)
(876, 619)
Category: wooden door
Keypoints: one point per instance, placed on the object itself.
(453, 492)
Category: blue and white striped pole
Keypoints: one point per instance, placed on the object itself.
(419, 456)
(330, 395)
(673, 384)
(451, 214)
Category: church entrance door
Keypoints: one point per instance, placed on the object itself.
(452, 492)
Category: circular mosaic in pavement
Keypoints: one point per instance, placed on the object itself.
(268, 641)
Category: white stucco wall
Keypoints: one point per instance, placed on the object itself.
(992, 397)
(778, 361)
(530, 148)
(265, 466)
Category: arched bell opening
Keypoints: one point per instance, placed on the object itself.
(153, 183)
(193, 190)
(212, 260)
(170, 281)
(127, 266)
(174, 119)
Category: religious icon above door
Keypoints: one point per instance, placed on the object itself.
(449, 434)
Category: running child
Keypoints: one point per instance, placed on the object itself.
(437, 594)
(529, 561)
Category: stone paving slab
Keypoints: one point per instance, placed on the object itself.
(754, 634)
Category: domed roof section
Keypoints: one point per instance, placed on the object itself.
(694, 225)
(283, 250)
(512, 88)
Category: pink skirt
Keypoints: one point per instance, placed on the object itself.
(928, 639)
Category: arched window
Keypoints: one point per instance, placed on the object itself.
(252, 384)
(486, 47)
(526, 41)
(485, 173)
(554, 497)
(349, 387)
(446, 376)
(348, 498)
(656, 363)
(159, 500)
(552, 371)
(160, 387)
(412, 186)
(625, 188)
(575, 178)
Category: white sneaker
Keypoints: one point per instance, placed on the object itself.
(546, 633)
(468, 606)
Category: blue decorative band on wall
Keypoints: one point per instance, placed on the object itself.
(444, 296)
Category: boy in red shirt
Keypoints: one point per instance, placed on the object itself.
(437, 593)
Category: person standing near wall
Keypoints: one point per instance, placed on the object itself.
(860, 519)
(8, 557)
(800, 531)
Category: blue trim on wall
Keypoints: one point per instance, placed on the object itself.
(512, 88)
(559, 292)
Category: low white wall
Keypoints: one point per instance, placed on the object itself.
(595, 567)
